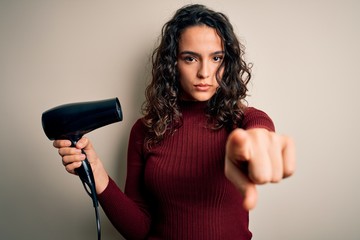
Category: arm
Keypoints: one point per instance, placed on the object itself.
(127, 212)
(268, 157)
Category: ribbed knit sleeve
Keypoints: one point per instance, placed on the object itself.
(128, 211)
(255, 118)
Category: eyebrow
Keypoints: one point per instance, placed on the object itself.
(197, 54)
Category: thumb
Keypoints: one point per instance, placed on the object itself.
(242, 183)
(84, 143)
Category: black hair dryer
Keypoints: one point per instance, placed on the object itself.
(71, 121)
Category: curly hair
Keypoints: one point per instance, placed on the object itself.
(225, 109)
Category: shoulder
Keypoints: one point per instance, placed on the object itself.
(138, 125)
(255, 118)
(137, 138)
(138, 131)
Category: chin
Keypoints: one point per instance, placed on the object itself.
(201, 98)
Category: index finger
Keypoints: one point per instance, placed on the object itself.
(237, 146)
(61, 143)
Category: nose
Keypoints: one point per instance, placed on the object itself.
(204, 70)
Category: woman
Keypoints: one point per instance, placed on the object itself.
(195, 136)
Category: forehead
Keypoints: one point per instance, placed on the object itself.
(200, 38)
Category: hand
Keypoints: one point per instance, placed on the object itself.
(72, 158)
(257, 156)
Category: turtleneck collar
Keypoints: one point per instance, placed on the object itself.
(193, 105)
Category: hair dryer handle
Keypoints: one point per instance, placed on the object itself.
(87, 177)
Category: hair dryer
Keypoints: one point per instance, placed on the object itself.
(72, 121)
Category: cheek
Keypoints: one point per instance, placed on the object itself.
(182, 68)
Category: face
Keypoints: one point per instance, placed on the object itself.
(200, 55)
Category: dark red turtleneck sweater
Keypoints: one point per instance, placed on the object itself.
(178, 190)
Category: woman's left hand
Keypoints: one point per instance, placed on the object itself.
(257, 156)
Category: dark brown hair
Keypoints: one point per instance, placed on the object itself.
(225, 108)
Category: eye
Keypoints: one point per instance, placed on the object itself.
(189, 59)
(218, 58)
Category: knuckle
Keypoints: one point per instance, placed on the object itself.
(289, 172)
(261, 178)
(276, 178)
(73, 151)
(275, 141)
(68, 168)
(65, 160)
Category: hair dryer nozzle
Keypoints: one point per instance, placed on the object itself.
(72, 121)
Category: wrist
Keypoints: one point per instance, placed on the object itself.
(101, 177)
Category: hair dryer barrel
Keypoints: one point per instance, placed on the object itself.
(72, 121)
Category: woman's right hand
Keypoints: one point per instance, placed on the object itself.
(72, 158)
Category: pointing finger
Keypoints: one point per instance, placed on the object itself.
(242, 183)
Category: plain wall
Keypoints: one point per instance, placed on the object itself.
(306, 77)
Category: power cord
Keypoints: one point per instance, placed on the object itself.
(92, 193)
(87, 178)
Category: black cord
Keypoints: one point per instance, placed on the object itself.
(98, 226)
(90, 189)
(87, 178)
(91, 192)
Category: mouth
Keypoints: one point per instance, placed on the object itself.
(202, 87)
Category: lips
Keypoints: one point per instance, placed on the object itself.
(202, 87)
